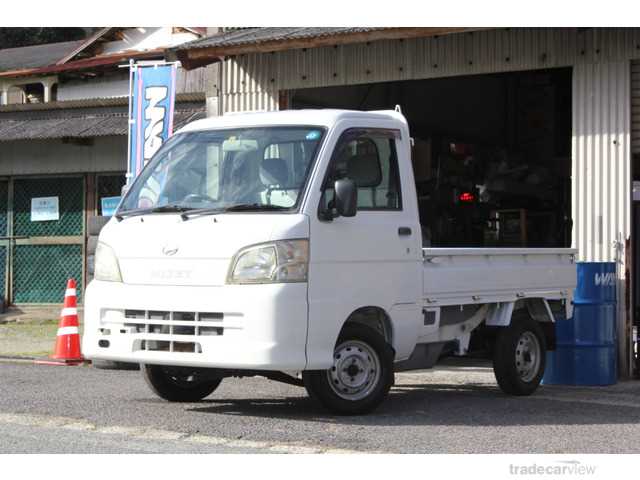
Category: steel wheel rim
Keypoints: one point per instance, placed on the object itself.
(183, 380)
(356, 370)
(528, 356)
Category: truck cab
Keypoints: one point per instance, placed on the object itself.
(289, 245)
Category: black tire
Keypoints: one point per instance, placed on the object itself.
(509, 371)
(319, 382)
(111, 365)
(173, 384)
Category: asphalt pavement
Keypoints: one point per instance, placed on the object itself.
(49, 409)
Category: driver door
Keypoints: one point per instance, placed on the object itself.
(373, 259)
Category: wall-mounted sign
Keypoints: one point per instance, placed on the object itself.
(109, 205)
(44, 209)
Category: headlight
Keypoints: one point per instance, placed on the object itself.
(275, 262)
(106, 264)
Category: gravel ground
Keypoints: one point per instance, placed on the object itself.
(28, 339)
(447, 410)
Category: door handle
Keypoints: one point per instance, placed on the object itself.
(404, 231)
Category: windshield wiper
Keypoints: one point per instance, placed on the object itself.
(242, 207)
(247, 207)
(144, 211)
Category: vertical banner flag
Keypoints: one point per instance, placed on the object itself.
(153, 92)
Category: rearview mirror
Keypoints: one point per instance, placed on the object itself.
(346, 197)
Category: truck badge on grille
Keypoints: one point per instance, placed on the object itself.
(169, 250)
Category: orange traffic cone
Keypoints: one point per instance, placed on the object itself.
(67, 351)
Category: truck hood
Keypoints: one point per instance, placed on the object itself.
(162, 249)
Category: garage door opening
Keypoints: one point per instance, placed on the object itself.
(491, 156)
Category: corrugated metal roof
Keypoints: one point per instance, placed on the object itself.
(80, 123)
(246, 36)
(272, 39)
(35, 56)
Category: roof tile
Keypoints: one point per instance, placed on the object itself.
(35, 56)
(80, 123)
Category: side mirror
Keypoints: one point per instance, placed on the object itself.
(124, 190)
(346, 197)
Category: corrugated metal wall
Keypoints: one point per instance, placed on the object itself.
(601, 175)
(601, 159)
(606, 106)
(250, 85)
(635, 107)
(601, 98)
(252, 81)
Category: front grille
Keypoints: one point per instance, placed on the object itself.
(179, 324)
(168, 346)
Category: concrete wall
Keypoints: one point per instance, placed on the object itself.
(44, 157)
(108, 87)
(192, 81)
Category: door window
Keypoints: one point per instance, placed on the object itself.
(369, 158)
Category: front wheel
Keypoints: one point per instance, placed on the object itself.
(361, 375)
(178, 384)
(519, 357)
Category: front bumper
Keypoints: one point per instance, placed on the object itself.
(255, 327)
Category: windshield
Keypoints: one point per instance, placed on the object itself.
(264, 168)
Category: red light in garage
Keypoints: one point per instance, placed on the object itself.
(466, 197)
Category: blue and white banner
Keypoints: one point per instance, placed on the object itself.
(153, 92)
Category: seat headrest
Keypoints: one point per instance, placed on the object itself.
(241, 165)
(274, 171)
(365, 170)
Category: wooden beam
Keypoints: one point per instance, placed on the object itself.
(198, 57)
(75, 240)
(88, 42)
(87, 63)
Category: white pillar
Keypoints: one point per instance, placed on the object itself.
(47, 85)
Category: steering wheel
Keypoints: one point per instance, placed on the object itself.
(198, 197)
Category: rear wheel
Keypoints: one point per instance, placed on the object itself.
(519, 357)
(178, 384)
(361, 375)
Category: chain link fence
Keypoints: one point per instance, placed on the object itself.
(41, 272)
(41, 264)
(4, 207)
(70, 193)
(4, 244)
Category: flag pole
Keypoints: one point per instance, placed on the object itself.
(130, 122)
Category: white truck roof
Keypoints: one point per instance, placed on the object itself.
(315, 117)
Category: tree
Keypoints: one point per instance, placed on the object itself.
(22, 36)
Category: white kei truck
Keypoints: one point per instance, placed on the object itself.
(288, 245)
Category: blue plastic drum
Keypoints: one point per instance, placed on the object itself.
(586, 344)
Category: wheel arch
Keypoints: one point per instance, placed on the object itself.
(538, 309)
(373, 317)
